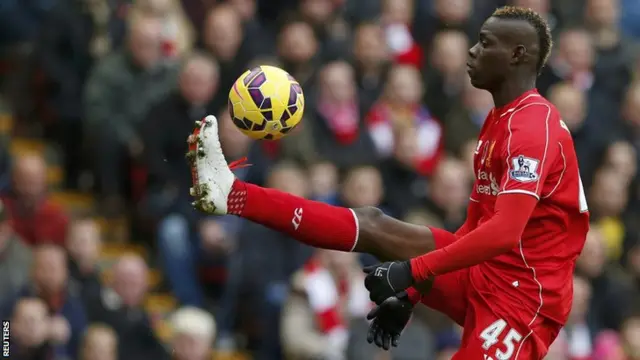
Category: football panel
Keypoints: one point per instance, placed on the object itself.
(245, 96)
(250, 75)
(278, 82)
(297, 111)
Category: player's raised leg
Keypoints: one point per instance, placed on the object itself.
(218, 191)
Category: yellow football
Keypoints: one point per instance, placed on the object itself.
(266, 102)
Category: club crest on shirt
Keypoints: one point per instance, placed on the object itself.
(524, 169)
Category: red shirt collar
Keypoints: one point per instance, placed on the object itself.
(499, 111)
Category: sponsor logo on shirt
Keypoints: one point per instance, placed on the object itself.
(487, 184)
(488, 155)
(524, 169)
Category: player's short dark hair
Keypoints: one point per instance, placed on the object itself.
(542, 28)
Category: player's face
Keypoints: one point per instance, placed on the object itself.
(490, 58)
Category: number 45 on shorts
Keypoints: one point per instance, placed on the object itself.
(491, 336)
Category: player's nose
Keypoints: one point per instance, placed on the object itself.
(473, 51)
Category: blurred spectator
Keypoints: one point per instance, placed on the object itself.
(580, 339)
(83, 246)
(445, 75)
(622, 159)
(397, 17)
(630, 333)
(31, 331)
(177, 34)
(612, 295)
(184, 251)
(447, 196)
(446, 14)
(325, 295)
(193, 333)
(223, 37)
(100, 342)
(196, 11)
(398, 120)
(34, 217)
(75, 35)
(15, 259)
(421, 217)
(50, 283)
(609, 197)
(257, 35)
(261, 249)
(573, 61)
(572, 105)
(633, 263)
(298, 50)
(120, 307)
(323, 179)
(371, 62)
(120, 91)
(331, 29)
(615, 53)
(630, 124)
(362, 187)
(542, 7)
(608, 346)
(169, 177)
(336, 118)
(464, 119)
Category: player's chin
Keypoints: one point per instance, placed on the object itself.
(477, 83)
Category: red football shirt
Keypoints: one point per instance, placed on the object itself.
(525, 147)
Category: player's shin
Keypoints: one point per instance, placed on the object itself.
(313, 223)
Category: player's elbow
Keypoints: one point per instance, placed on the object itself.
(510, 231)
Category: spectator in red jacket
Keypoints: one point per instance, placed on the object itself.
(397, 17)
(35, 218)
(399, 119)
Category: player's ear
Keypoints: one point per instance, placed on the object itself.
(519, 55)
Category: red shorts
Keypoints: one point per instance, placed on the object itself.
(490, 332)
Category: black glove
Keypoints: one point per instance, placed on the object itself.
(387, 279)
(389, 319)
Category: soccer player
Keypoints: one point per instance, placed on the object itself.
(506, 274)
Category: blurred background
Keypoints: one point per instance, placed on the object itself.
(97, 236)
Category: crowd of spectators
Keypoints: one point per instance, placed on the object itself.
(391, 121)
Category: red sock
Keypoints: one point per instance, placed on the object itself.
(311, 222)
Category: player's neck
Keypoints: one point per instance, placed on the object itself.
(511, 90)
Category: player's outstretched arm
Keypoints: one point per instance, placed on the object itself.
(497, 236)
(314, 223)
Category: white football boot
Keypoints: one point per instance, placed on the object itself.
(212, 176)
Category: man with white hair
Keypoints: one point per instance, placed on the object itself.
(193, 333)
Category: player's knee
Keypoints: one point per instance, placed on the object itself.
(369, 235)
(368, 217)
